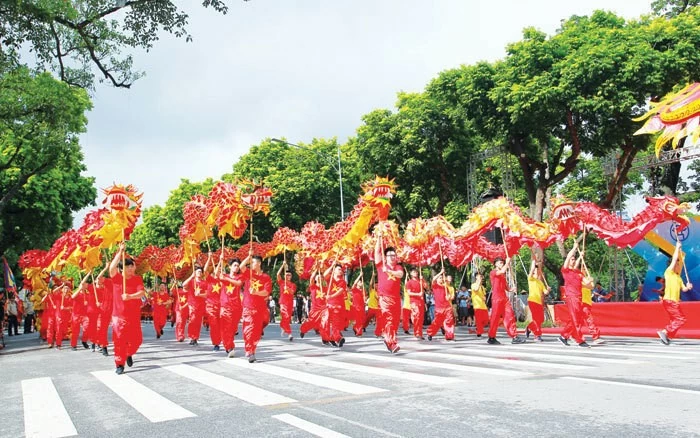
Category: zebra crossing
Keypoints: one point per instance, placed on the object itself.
(290, 377)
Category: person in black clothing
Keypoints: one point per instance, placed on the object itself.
(299, 307)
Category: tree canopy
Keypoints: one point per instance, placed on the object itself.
(41, 161)
(75, 38)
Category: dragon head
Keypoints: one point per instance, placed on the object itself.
(562, 208)
(671, 209)
(378, 193)
(119, 197)
(255, 197)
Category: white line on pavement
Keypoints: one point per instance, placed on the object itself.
(505, 361)
(446, 366)
(44, 412)
(313, 429)
(308, 378)
(149, 403)
(386, 372)
(243, 391)
(633, 385)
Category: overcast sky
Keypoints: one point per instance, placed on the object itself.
(294, 69)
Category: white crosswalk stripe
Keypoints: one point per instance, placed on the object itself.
(531, 353)
(308, 378)
(449, 366)
(307, 426)
(240, 390)
(149, 403)
(600, 351)
(385, 372)
(44, 412)
(505, 360)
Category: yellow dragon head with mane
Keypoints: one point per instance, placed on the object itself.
(377, 194)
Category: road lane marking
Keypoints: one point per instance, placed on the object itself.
(307, 426)
(243, 391)
(149, 403)
(44, 412)
(307, 378)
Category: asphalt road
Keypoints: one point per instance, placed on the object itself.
(628, 387)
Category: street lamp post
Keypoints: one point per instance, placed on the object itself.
(337, 167)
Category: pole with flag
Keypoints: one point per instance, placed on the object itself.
(10, 284)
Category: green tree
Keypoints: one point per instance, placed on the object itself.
(672, 8)
(71, 38)
(304, 181)
(553, 100)
(161, 224)
(425, 145)
(41, 162)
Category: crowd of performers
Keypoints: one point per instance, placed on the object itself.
(239, 292)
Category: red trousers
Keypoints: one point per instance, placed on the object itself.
(676, 316)
(78, 322)
(405, 318)
(377, 315)
(336, 322)
(160, 315)
(444, 318)
(213, 316)
(501, 308)
(573, 327)
(126, 337)
(50, 326)
(194, 327)
(358, 315)
(588, 316)
(104, 318)
(481, 317)
(92, 326)
(317, 320)
(229, 318)
(286, 312)
(537, 311)
(417, 316)
(253, 323)
(391, 312)
(181, 315)
(63, 320)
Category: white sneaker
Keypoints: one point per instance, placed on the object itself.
(598, 341)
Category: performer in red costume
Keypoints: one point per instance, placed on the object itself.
(79, 319)
(213, 305)
(415, 287)
(358, 305)
(93, 314)
(64, 309)
(51, 302)
(160, 302)
(104, 303)
(126, 309)
(287, 292)
(500, 305)
(573, 279)
(196, 287)
(182, 312)
(318, 316)
(389, 275)
(335, 302)
(444, 315)
(672, 296)
(257, 287)
(231, 307)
